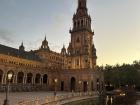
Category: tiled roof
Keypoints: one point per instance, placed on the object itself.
(17, 53)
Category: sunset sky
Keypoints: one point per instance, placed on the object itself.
(116, 24)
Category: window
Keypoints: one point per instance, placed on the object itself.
(78, 40)
(74, 24)
(80, 4)
(77, 52)
(82, 23)
(78, 23)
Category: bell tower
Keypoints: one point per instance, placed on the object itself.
(81, 47)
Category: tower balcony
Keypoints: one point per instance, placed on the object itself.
(80, 29)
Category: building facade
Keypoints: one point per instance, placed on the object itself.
(74, 68)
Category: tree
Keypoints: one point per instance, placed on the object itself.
(121, 75)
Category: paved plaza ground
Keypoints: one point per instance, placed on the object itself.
(16, 97)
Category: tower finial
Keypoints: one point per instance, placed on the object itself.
(22, 43)
(21, 47)
(63, 45)
(45, 36)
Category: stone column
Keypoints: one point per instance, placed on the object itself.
(25, 79)
(40, 80)
(84, 22)
(90, 86)
(80, 23)
(3, 78)
(15, 79)
(33, 80)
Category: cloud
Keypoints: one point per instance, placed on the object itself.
(6, 36)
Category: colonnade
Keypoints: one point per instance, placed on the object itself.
(24, 78)
(73, 83)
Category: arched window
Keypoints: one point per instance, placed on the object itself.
(78, 23)
(74, 24)
(78, 40)
(82, 23)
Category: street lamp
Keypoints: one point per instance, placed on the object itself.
(80, 82)
(9, 77)
(87, 86)
(55, 81)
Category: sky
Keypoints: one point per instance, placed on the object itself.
(116, 24)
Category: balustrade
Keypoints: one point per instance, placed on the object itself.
(60, 99)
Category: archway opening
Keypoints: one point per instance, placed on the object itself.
(37, 78)
(62, 85)
(45, 79)
(92, 86)
(73, 84)
(1, 75)
(20, 77)
(29, 78)
(85, 86)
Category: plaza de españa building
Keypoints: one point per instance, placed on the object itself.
(74, 68)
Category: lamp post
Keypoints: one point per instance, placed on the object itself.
(55, 81)
(97, 86)
(9, 77)
(80, 82)
(87, 87)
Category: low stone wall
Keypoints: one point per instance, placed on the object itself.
(62, 99)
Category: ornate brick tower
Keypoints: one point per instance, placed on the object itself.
(81, 48)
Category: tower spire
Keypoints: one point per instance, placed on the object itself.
(82, 4)
(81, 20)
(82, 8)
(22, 43)
(45, 37)
(21, 47)
(80, 48)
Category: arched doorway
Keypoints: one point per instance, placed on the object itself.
(62, 85)
(29, 78)
(20, 77)
(92, 86)
(73, 84)
(1, 75)
(37, 78)
(85, 86)
(45, 79)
